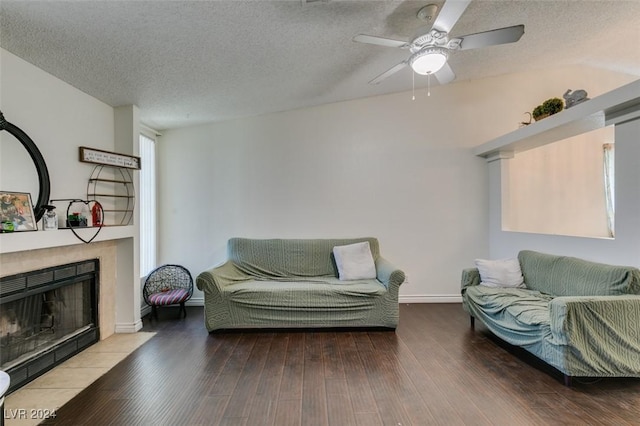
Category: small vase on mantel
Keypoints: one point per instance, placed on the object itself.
(50, 219)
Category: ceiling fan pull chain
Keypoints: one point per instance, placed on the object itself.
(429, 84)
(413, 86)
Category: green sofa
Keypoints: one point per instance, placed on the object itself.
(293, 283)
(581, 317)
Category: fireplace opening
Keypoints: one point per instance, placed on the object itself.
(47, 316)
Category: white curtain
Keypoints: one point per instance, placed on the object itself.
(609, 186)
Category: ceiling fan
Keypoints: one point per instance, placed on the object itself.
(430, 49)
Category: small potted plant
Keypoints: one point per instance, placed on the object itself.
(76, 219)
(538, 113)
(73, 219)
(547, 108)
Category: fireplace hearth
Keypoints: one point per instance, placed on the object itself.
(47, 316)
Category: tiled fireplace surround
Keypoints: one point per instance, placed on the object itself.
(105, 251)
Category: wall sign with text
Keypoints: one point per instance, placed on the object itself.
(98, 156)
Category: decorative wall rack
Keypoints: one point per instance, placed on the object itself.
(113, 188)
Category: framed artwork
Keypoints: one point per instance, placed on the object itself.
(16, 212)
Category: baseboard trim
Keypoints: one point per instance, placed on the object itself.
(424, 298)
(195, 301)
(145, 310)
(433, 298)
(129, 327)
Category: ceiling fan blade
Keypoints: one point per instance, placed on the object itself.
(388, 72)
(449, 15)
(380, 41)
(445, 74)
(491, 38)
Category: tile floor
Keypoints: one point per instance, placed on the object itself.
(28, 405)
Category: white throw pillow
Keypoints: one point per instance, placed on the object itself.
(354, 261)
(500, 273)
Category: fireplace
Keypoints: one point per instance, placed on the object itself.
(47, 316)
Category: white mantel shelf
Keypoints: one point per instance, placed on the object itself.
(612, 107)
(33, 240)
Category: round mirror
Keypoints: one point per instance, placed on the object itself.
(41, 167)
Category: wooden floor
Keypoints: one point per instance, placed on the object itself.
(432, 370)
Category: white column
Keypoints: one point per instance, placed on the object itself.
(498, 195)
(127, 131)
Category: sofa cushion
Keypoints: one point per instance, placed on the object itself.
(517, 315)
(281, 258)
(500, 273)
(570, 276)
(354, 261)
(525, 306)
(326, 294)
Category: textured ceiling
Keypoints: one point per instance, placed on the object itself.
(191, 62)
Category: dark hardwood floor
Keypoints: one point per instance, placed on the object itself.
(433, 370)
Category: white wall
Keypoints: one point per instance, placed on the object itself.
(59, 119)
(368, 167)
(385, 166)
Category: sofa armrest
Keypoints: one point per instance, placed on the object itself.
(388, 274)
(603, 330)
(217, 277)
(470, 276)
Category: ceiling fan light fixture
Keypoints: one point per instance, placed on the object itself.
(429, 60)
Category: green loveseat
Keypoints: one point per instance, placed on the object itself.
(293, 283)
(581, 317)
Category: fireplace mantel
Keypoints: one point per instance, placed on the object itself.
(23, 241)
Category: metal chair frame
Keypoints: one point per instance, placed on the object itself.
(164, 278)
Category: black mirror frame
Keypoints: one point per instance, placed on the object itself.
(41, 167)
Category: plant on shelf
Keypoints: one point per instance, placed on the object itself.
(76, 219)
(538, 113)
(547, 108)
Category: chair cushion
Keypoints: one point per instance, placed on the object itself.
(170, 297)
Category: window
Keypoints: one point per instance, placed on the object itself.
(558, 189)
(147, 205)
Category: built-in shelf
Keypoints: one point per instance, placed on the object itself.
(108, 180)
(33, 240)
(610, 108)
(109, 195)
